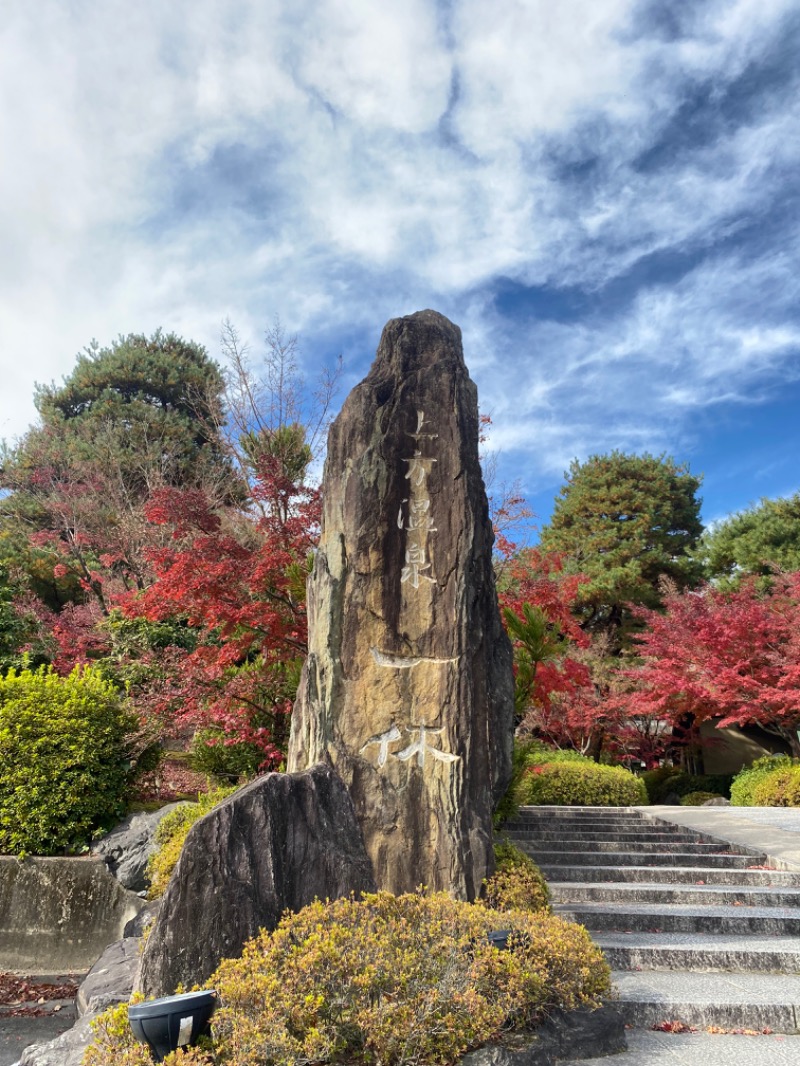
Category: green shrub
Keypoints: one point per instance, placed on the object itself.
(172, 831)
(697, 799)
(517, 883)
(781, 788)
(232, 763)
(64, 759)
(664, 780)
(747, 781)
(578, 784)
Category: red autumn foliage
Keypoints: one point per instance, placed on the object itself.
(241, 587)
(555, 695)
(729, 655)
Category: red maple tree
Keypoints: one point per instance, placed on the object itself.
(728, 655)
(239, 583)
(554, 694)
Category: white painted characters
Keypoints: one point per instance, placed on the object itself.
(420, 746)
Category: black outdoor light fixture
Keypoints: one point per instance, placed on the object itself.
(498, 938)
(172, 1022)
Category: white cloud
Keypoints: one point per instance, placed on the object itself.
(174, 164)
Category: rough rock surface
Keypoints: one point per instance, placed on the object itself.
(139, 925)
(277, 844)
(126, 849)
(110, 980)
(408, 687)
(65, 1050)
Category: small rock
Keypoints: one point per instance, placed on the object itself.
(126, 849)
(139, 925)
(718, 801)
(110, 980)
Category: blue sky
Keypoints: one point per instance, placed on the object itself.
(603, 194)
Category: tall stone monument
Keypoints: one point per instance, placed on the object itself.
(408, 688)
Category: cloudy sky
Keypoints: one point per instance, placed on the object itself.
(603, 194)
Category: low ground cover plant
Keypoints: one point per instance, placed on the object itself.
(65, 762)
(172, 832)
(748, 781)
(697, 799)
(517, 883)
(586, 784)
(389, 980)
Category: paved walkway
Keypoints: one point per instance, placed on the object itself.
(773, 830)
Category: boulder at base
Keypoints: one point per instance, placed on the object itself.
(277, 844)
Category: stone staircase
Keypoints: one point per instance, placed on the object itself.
(696, 931)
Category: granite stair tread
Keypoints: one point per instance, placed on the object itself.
(647, 1048)
(747, 1000)
(695, 952)
(670, 875)
(690, 894)
(549, 857)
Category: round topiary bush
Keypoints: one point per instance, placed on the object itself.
(389, 981)
(748, 780)
(64, 760)
(517, 883)
(569, 784)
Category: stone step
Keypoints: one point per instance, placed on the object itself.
(605, 835)
(678, 918)
(693, 952)
(749, 1001)
(646, 1048)
(550, 817)
(671, 875)
(546, 857)
(644, 847)
(693, 895)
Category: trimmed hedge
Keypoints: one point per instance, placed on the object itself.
(581, 784)
(388, 980)
(697, 799)
(64, 760)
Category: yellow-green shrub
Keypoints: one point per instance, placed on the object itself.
(746, 782)
(581, 784)
(780, 789)
(389, 980)
(397, 979)
(172, 831)
(517, 883)
(64, 759)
